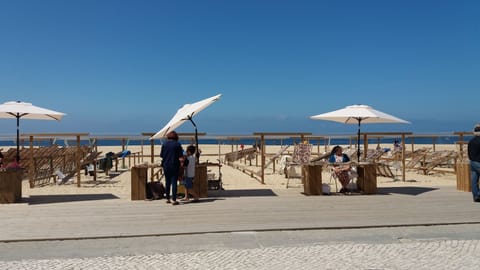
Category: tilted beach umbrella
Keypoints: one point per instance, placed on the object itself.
(18, 109)
(186, 113)
(357, 114)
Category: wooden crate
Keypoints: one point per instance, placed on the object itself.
(139, 183)
(200, 182)
(367, 178)
(312, 180)
(463, 177)
(11, 186)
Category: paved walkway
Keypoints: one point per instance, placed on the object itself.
(297, 226)
(417, 255)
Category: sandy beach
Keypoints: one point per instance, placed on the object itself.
(118, 183)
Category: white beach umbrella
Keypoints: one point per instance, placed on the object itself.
(357, 114)
(186, 112)
(18, 109)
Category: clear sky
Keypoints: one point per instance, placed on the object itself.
(125, 67)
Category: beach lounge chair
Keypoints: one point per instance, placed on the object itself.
(382, 168)
(248, 153)
(416, 157)
(374, 155)
(351, 152)
(321, 157)
(301, 156)
(436, 159)
(274, 158)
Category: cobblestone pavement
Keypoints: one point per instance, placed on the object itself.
(416, 254)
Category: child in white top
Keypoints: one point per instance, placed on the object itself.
(189, 171)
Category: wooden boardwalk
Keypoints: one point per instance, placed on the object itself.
(91, 216)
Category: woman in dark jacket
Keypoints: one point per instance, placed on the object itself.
(171, 153)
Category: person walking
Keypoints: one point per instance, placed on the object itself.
(474, 157)
(171, 153)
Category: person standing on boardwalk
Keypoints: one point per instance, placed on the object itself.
(190, 173)
(474, 156)
(171, 153)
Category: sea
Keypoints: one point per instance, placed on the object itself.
(248, 140)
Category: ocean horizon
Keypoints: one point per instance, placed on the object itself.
(344, 139)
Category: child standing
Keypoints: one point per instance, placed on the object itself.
(189, 172)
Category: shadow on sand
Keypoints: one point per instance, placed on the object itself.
(404, 190)
(91, 183)
(44, 199)
(241, 193)
(113, 174)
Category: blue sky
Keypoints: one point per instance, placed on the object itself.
(125, 67)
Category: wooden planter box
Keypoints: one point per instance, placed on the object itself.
(367, 178)
(11, 186)
(463, 177)
(200, 182)
(138, 183)
(312, 180)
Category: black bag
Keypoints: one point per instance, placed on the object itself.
(155, 191)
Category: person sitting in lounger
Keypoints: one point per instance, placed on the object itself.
(341, 171)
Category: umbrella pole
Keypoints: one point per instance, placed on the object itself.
(18, 138)
(358, 141)
(197, 154)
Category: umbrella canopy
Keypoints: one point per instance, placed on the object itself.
(186, 112)
(357, 114)
(18, 109)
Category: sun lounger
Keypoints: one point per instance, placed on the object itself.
(274, 158)
(384, 170)
(416, 157)
(436, 159)
(236, 155)
(301, 156)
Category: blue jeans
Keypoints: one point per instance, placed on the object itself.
(475, 174)
(171, 177)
